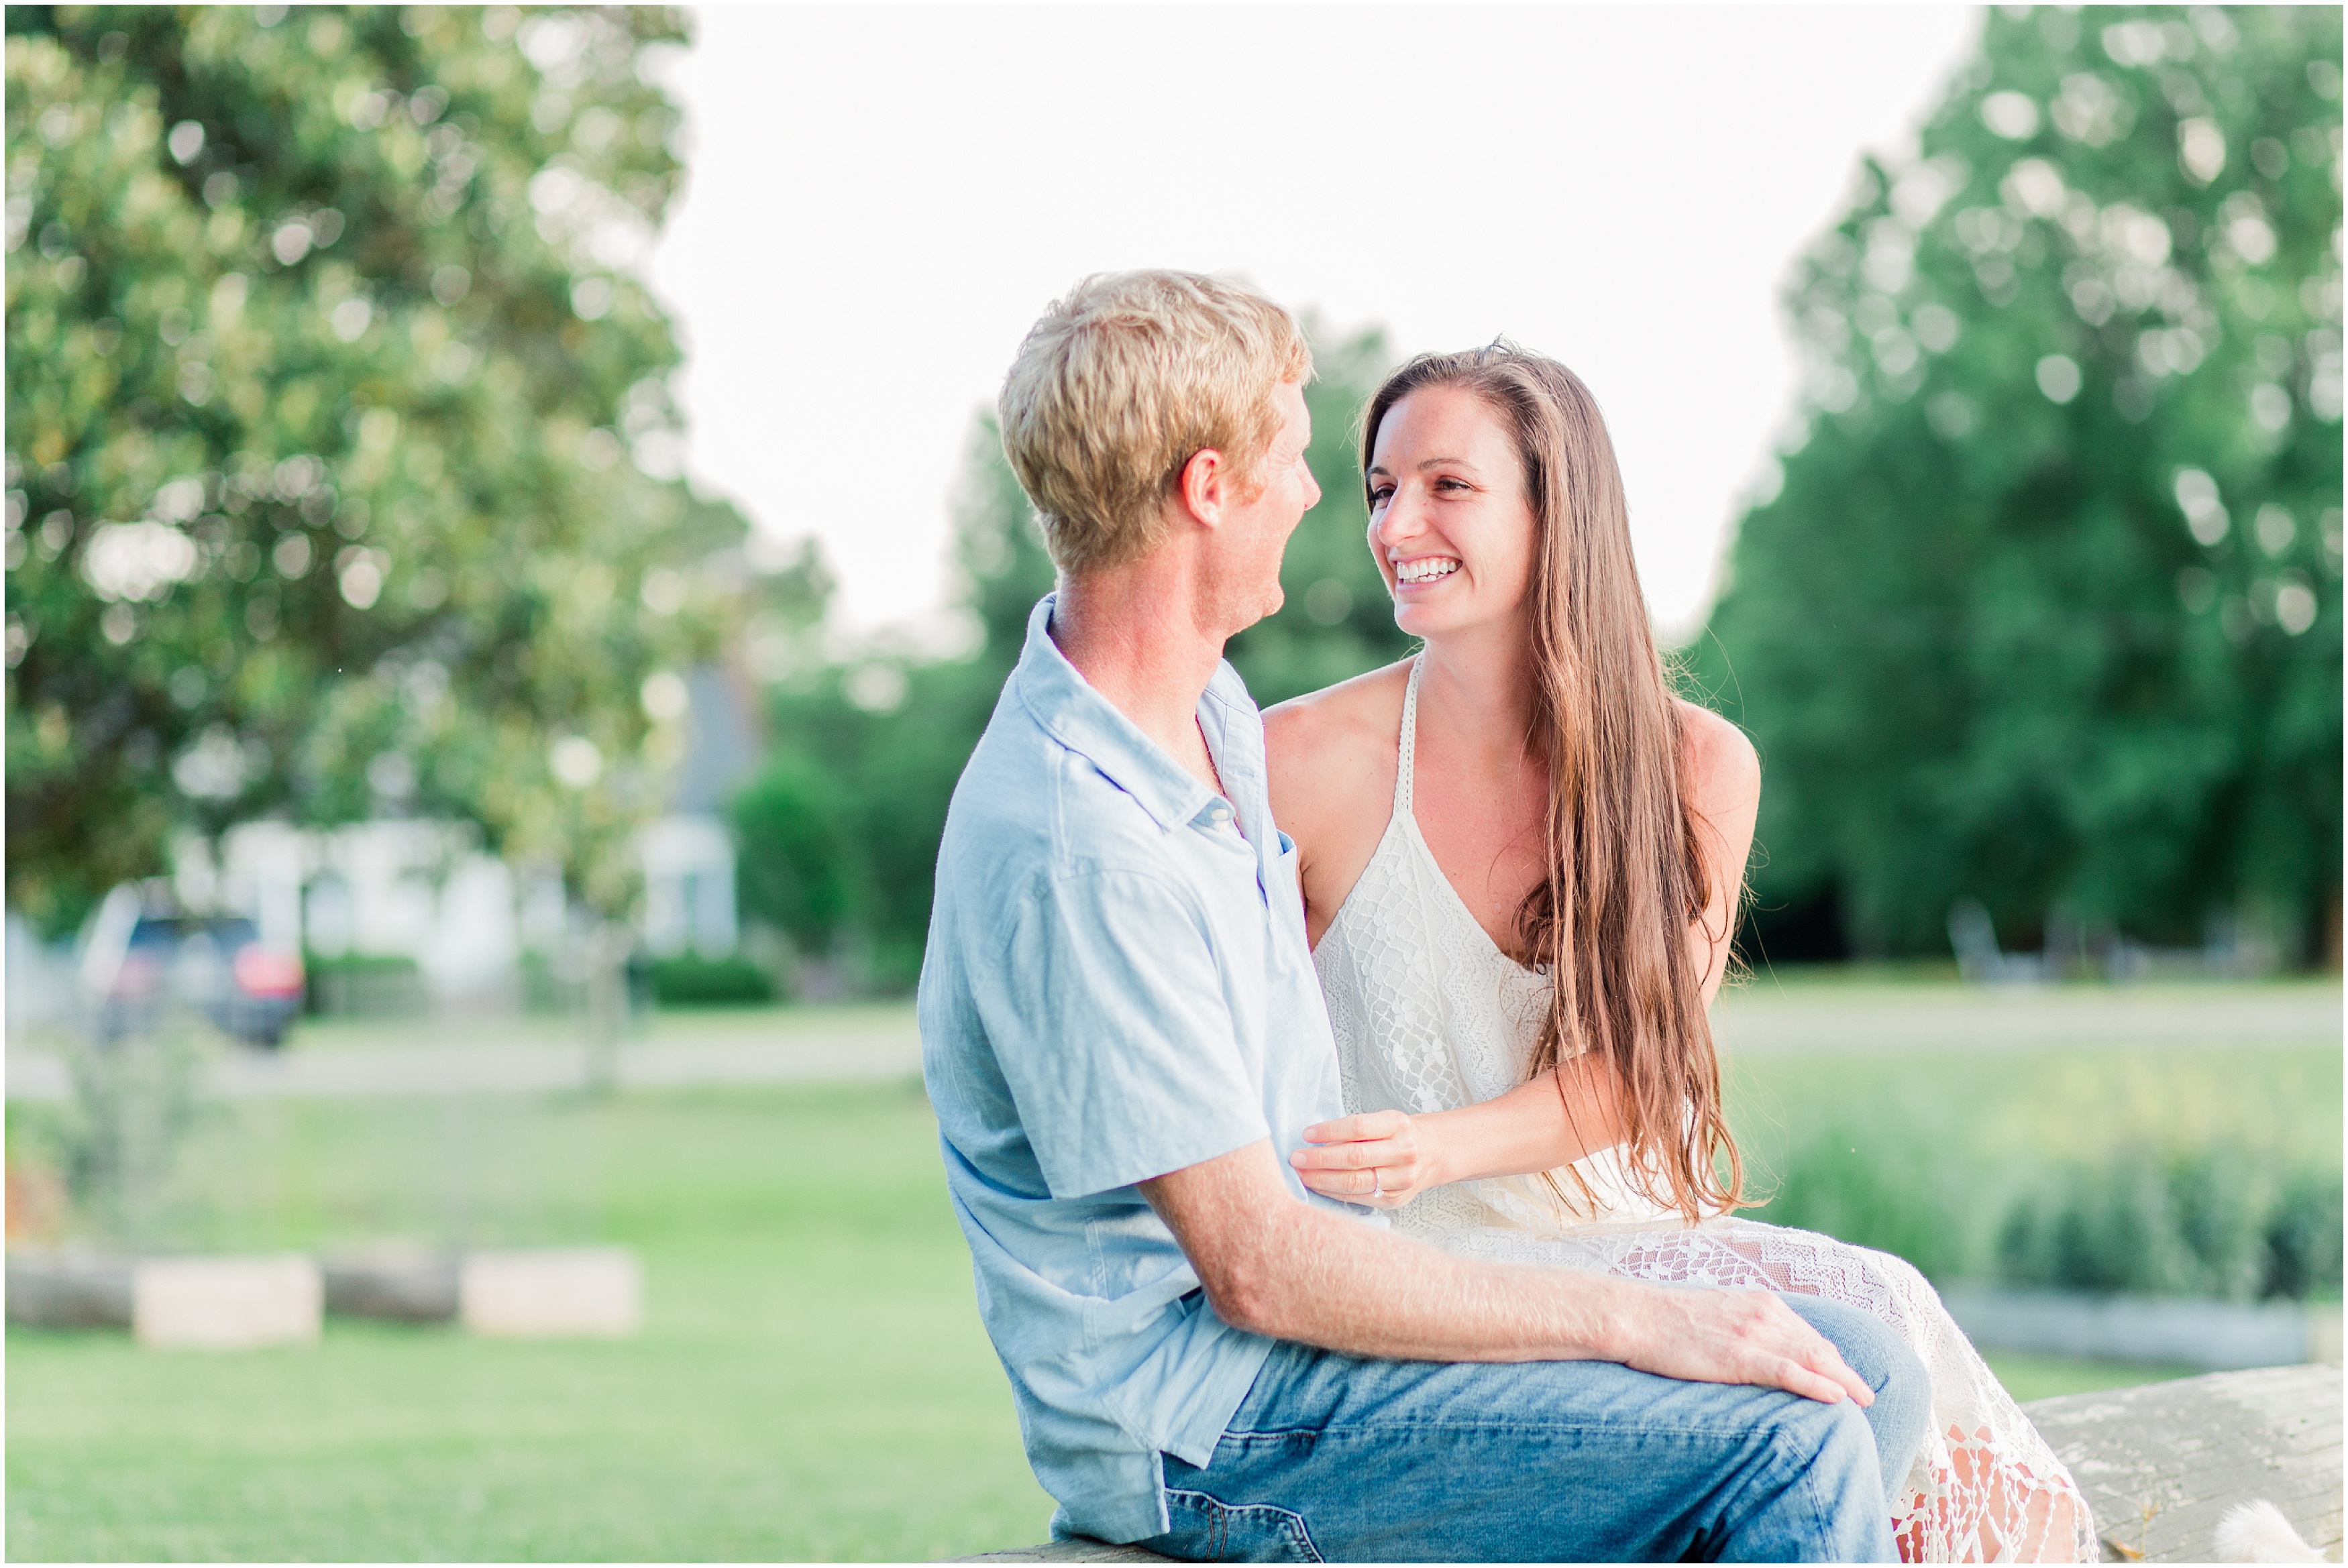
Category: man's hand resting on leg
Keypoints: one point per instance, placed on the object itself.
(1711, 1335)
(1289, 1270)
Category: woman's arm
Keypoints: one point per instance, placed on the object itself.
(1726, 776)
(1385, 1158)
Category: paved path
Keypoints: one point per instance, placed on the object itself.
(1765, 1015)
(487, 1056)
(493, 1068)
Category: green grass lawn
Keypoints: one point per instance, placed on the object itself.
(812, 1381)
(2028, 1376)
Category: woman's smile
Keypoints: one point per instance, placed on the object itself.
(1423, 571)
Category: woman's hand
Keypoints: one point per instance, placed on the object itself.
(1382, 1159)
(1385, 1158)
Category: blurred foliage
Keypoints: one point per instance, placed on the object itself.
(117, 1138)
(2216, 1224)
(2207, 1172)
(365, 985)
(2224, 1222)
(1901, 1206)
(340, 457)
(839, 831)
(689, 979)
(2304, 1237)
(2046, 610)
(798, 862)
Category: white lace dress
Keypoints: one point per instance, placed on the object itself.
(1430, 1016)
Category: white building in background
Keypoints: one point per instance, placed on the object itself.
(688, 887)
(423, 890)
(414, 888)
(688, 855)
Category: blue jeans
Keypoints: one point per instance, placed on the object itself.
(1336, 1459)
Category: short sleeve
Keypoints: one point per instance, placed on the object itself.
(1108, 1019)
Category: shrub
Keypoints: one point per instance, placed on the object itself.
(800, 867)
(2220, 1200)
(2303, 1240)
(690, 980)
(363, 983)
(2226, 1222)
(2216, 1223)
(2112, 1229)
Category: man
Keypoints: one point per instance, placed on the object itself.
(1124, 1039)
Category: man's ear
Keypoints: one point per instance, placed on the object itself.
(1203, 486)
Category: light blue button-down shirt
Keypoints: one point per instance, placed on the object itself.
(1117, 986)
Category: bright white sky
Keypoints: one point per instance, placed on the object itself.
(881, 199)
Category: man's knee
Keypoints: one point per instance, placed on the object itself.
(1816, 1492)
(1902, 1413)
(1848, 1481)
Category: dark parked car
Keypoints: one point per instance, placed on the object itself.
(214, 964)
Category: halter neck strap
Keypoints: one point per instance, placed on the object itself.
(1407, 754)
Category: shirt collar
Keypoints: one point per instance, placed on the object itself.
(1060, 700)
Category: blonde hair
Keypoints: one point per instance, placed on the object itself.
(1126, 378)
(1626, 873)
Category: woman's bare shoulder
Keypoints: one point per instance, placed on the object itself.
(1330, 724)
(1716, 753)
(1331, 754)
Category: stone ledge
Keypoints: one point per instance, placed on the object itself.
(2159, 1463)
(1082, 1550)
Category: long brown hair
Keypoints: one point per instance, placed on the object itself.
(1626, 873)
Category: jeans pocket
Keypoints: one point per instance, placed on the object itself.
(1208, 1529)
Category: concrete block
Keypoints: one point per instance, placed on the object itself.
(68, 1290)
(403, 1284)
(553, 1294)
(226, 1303)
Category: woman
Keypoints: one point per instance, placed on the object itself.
(1521, 861)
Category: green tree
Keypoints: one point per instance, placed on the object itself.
(799, 869)
(2047, 611)
(340, 469)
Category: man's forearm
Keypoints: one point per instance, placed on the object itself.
(1283, 1267)
(1297, 1271)
(1346, 1287)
